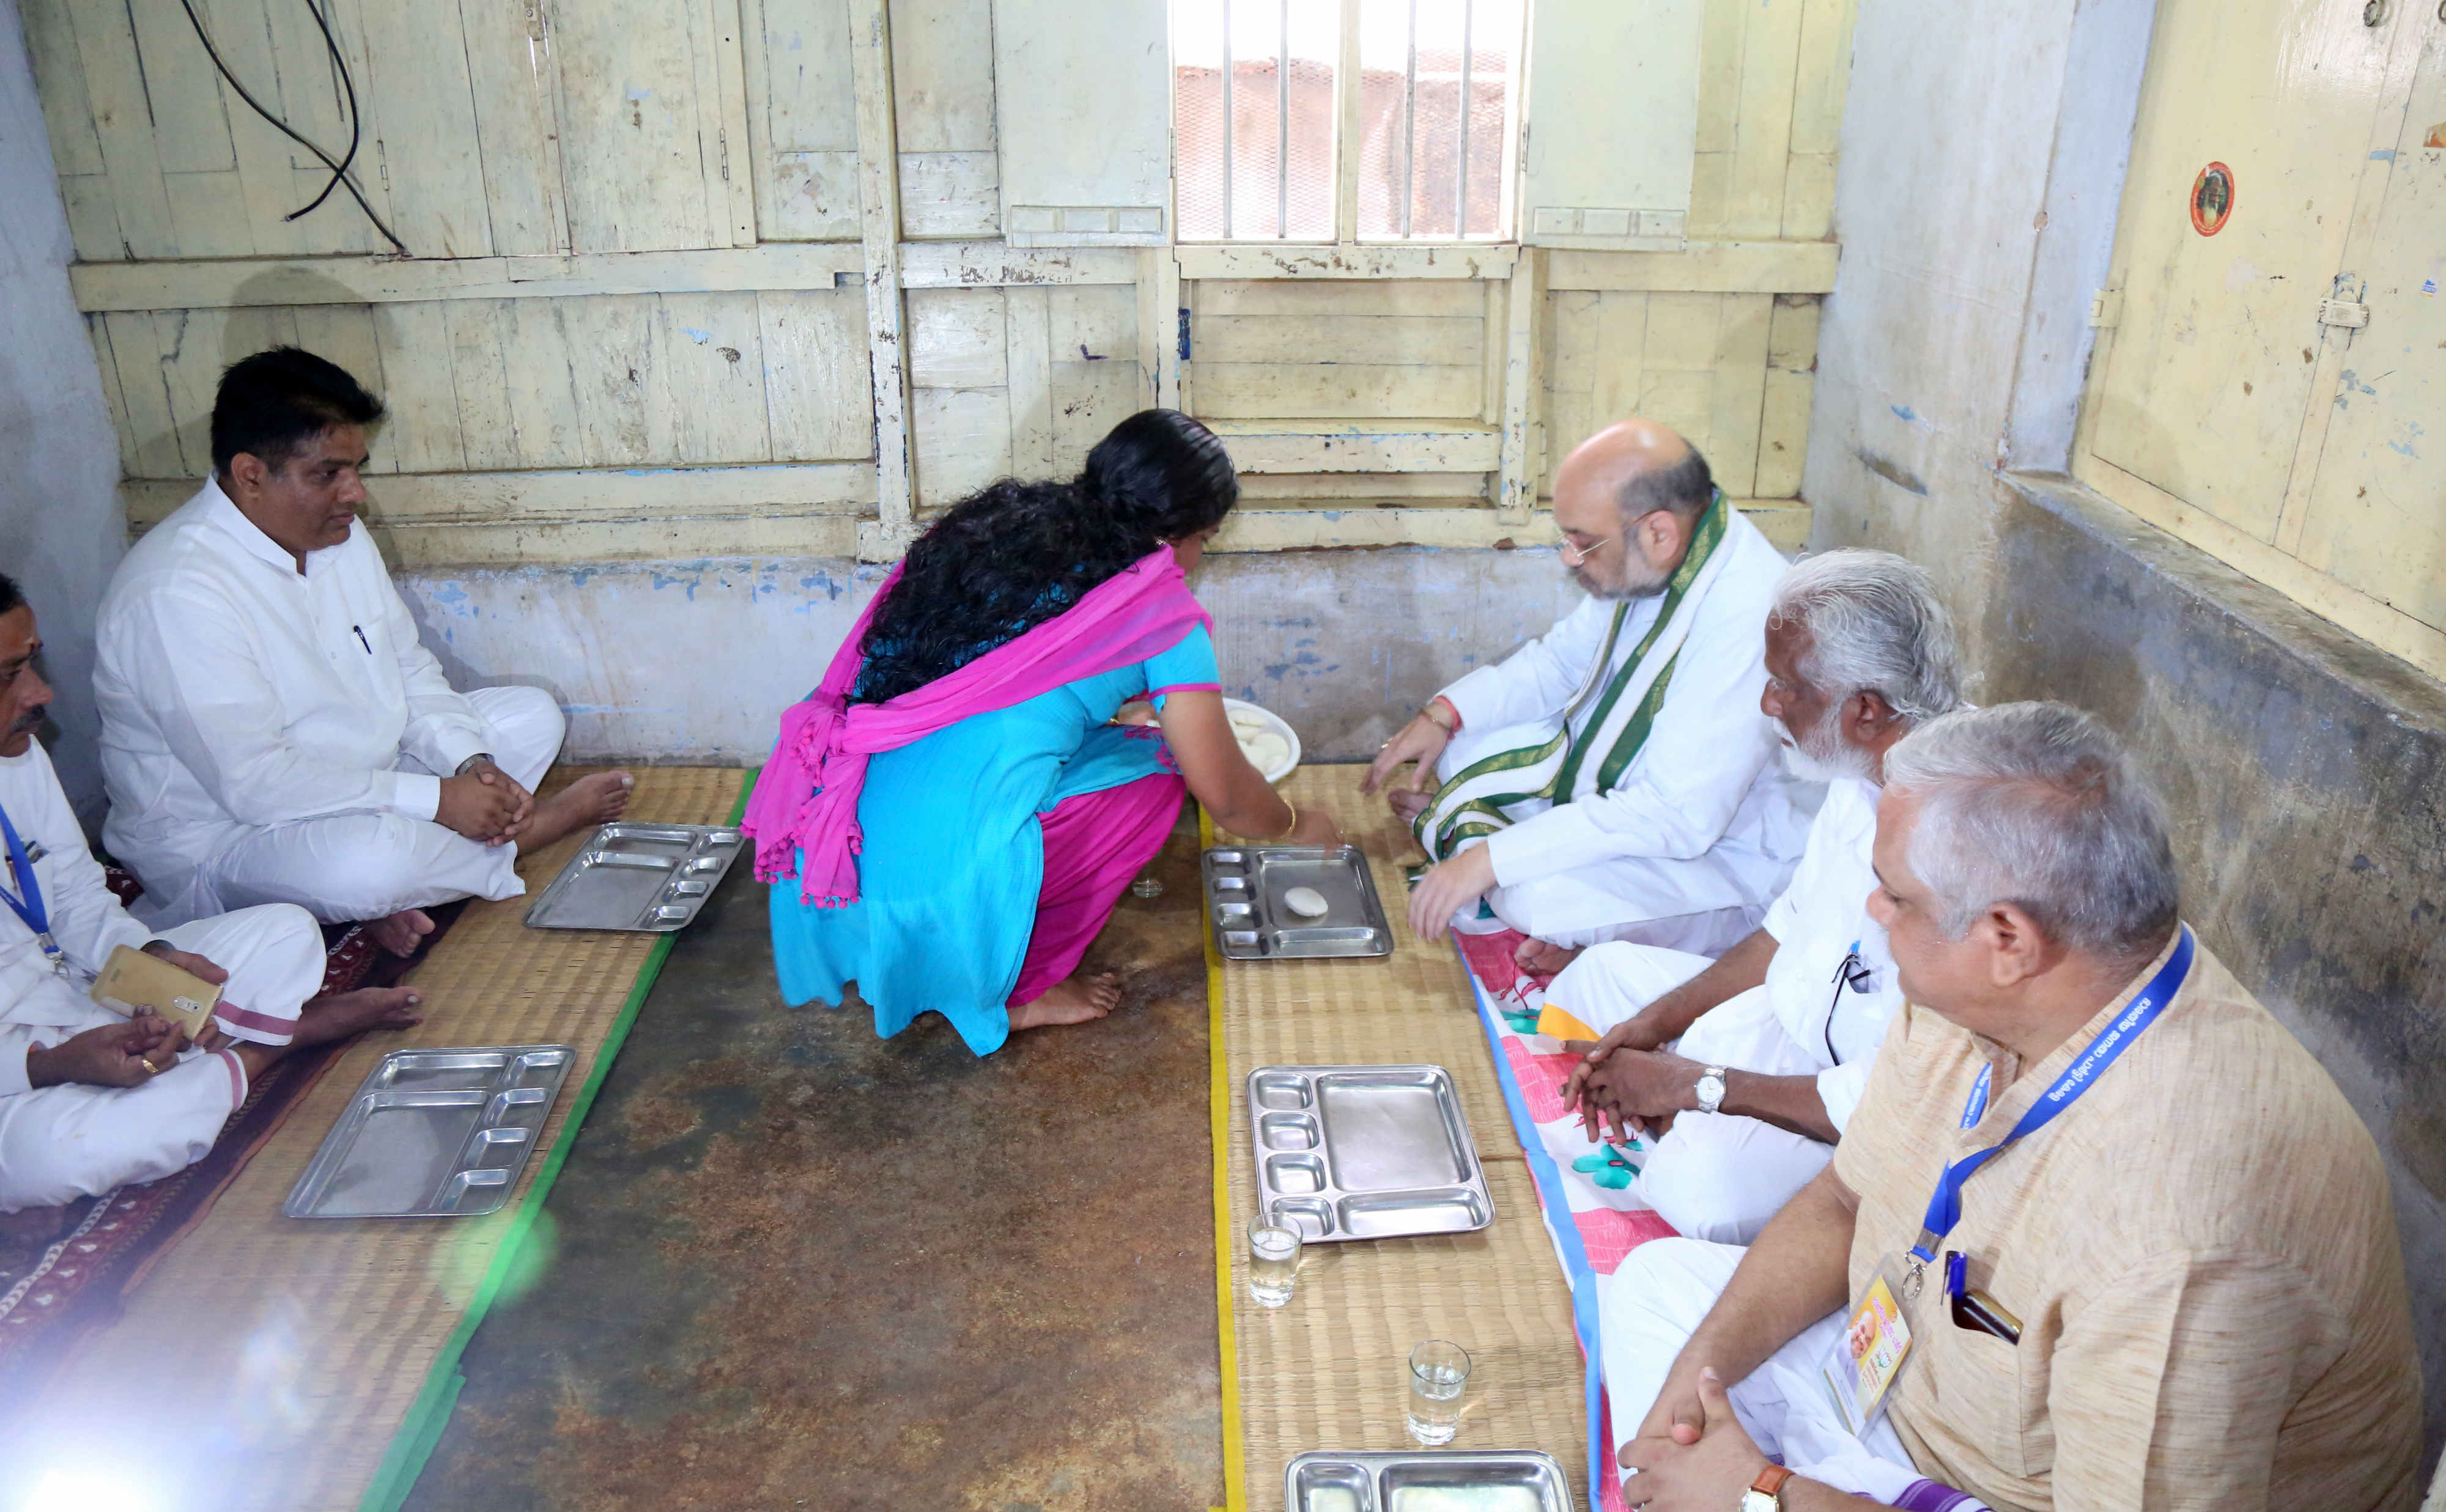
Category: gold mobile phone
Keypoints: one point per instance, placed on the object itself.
(133, 982)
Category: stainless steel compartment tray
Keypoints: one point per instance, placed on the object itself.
(638, 876)
(1426, 1480)
(434, 1133)
(1365, 1151)
(1245, 908)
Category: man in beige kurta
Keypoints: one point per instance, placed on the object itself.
(2199, 1248)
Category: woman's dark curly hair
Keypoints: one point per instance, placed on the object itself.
(1014, 554)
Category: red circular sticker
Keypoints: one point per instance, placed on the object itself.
(2211, 199)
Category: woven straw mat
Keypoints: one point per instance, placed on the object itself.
(292, 1349)
(1328, 1369)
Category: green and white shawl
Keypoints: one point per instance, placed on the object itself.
(1491, 793)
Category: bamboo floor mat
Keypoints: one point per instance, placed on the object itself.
(272, 1361)
(1328, 1369)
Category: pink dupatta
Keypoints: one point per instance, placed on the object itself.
(806, 799)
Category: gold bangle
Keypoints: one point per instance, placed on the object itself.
(1294, 824)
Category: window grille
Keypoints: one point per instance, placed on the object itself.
(1258, 113)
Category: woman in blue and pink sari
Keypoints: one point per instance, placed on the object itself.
(949, 820)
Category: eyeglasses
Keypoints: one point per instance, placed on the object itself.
(1574, 555)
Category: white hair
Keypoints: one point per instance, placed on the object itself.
(1875, 626)
(2038, 806)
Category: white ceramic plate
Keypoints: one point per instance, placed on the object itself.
(1275, 724)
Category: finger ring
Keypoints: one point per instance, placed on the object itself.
(150, 1069)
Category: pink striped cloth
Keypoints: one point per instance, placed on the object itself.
(806, 797)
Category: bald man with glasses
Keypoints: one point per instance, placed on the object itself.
(1614, 779)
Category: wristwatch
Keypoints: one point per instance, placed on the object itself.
(1711, 1089)
(1766, 1493)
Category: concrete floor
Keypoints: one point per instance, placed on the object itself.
(797, 1266)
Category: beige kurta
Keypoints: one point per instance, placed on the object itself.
(2201, 1250)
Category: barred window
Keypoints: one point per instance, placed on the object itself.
(1259, 116)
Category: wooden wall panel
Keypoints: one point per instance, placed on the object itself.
(267, 47)
(1771, 89)
(802, 119)
(943, 100)
(818, 403)
(956, 338)
(139, 117)
(640, 167)
(489, 385)
(1728, 371)
(714, 378)
(542, 383)
(1082, 113)
(1271, 349)
(488, 430)
(960, 440)
(959, 410)
(663, 348)
(514, 81)
(1094, 374)
(438, 204)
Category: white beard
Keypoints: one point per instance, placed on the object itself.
(1823, 754)
(1646, 586)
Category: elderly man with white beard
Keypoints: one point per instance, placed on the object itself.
(1749, 1067)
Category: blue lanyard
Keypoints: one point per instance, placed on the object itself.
(1945, 1207)
(28, 907)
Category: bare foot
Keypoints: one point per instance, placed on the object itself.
(1077, 1000)
(402, 932)
(1539, 958)
(1407, 806)
(585, 803)
(336, 1016)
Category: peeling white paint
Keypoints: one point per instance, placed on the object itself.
(693, 662)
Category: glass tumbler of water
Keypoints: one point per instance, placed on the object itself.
(1273, 1259)
(1439, 1375)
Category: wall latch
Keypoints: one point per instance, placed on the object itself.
(2342, 312)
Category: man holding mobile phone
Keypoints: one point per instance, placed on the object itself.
(90, 1099)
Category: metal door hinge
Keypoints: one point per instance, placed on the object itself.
(535, 22)
(722, 139)
(2105, 308)
(2342, 312)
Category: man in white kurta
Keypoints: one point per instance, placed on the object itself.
(272, 728)
(1661, 815)
(1756, 1061)
(90, 1100)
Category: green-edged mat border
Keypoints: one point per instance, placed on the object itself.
(421, 1430)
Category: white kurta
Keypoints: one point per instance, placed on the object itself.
(1719, 1176)
(277, 736)
(1654, 1303)
(1703, 826)
(59, 1142)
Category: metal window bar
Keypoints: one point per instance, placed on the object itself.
(1227, 121)
(1460, 175)
(1410, 185)
(1410, 123)
(1282, 129)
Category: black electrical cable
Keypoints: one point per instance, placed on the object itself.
(339, 171)
(356, 121)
